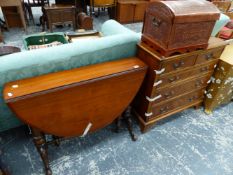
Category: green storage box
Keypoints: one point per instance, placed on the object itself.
(44, 38)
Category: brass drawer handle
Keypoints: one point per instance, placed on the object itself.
(192, 98)
(169, 94)
(175, 78)
(164, 109)
(181, 63)
(199, 83)
(156, 22)
(177, 65)
(209, 56)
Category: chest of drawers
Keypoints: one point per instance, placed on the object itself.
(173, 83)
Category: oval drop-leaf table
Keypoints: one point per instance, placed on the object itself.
(74, 102)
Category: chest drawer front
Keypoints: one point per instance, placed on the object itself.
(162, 109)
(170, 79)
(209, 55)
(178, 89)
(179, 63)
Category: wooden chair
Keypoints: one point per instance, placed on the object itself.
(103, 4)
(34, 3)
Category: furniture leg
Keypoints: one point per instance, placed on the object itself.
(22, 18)
(127, 118)
(50, 27)
(56, 140)
(42, 147)
(118, 124)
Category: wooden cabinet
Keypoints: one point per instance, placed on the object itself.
(129, 11)
(173, 83)
(60, 14)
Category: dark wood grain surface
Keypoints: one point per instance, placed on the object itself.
(65, 103)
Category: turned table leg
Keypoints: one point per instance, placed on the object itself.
(118, 124)
(127, 118)
(42, 147)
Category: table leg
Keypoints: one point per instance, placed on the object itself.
(127, 118)
(42, 147)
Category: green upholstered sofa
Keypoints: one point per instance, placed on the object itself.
(117, 42)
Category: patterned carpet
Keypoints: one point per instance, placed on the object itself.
(188, 143)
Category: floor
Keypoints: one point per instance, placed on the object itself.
(188, 143)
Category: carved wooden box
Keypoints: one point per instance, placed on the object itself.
(179, 26)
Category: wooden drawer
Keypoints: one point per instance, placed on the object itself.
(209, 55)
(178, 63)
(174, 77)
(164, 108)
(162, 94)
(60, 16)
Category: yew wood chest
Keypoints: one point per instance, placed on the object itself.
(178, 26)
(173, 83)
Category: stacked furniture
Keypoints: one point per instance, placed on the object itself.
(220, 90)
(175, 82)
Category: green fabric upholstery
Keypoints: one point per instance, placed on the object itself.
(118, 42)
(223, 20)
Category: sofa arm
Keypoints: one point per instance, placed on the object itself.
(224, 19)
(112, 27)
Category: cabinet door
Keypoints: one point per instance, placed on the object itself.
(125, 12)
(140, 8)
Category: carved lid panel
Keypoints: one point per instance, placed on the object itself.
(189, 11)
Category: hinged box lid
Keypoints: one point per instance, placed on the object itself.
(189, 11)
